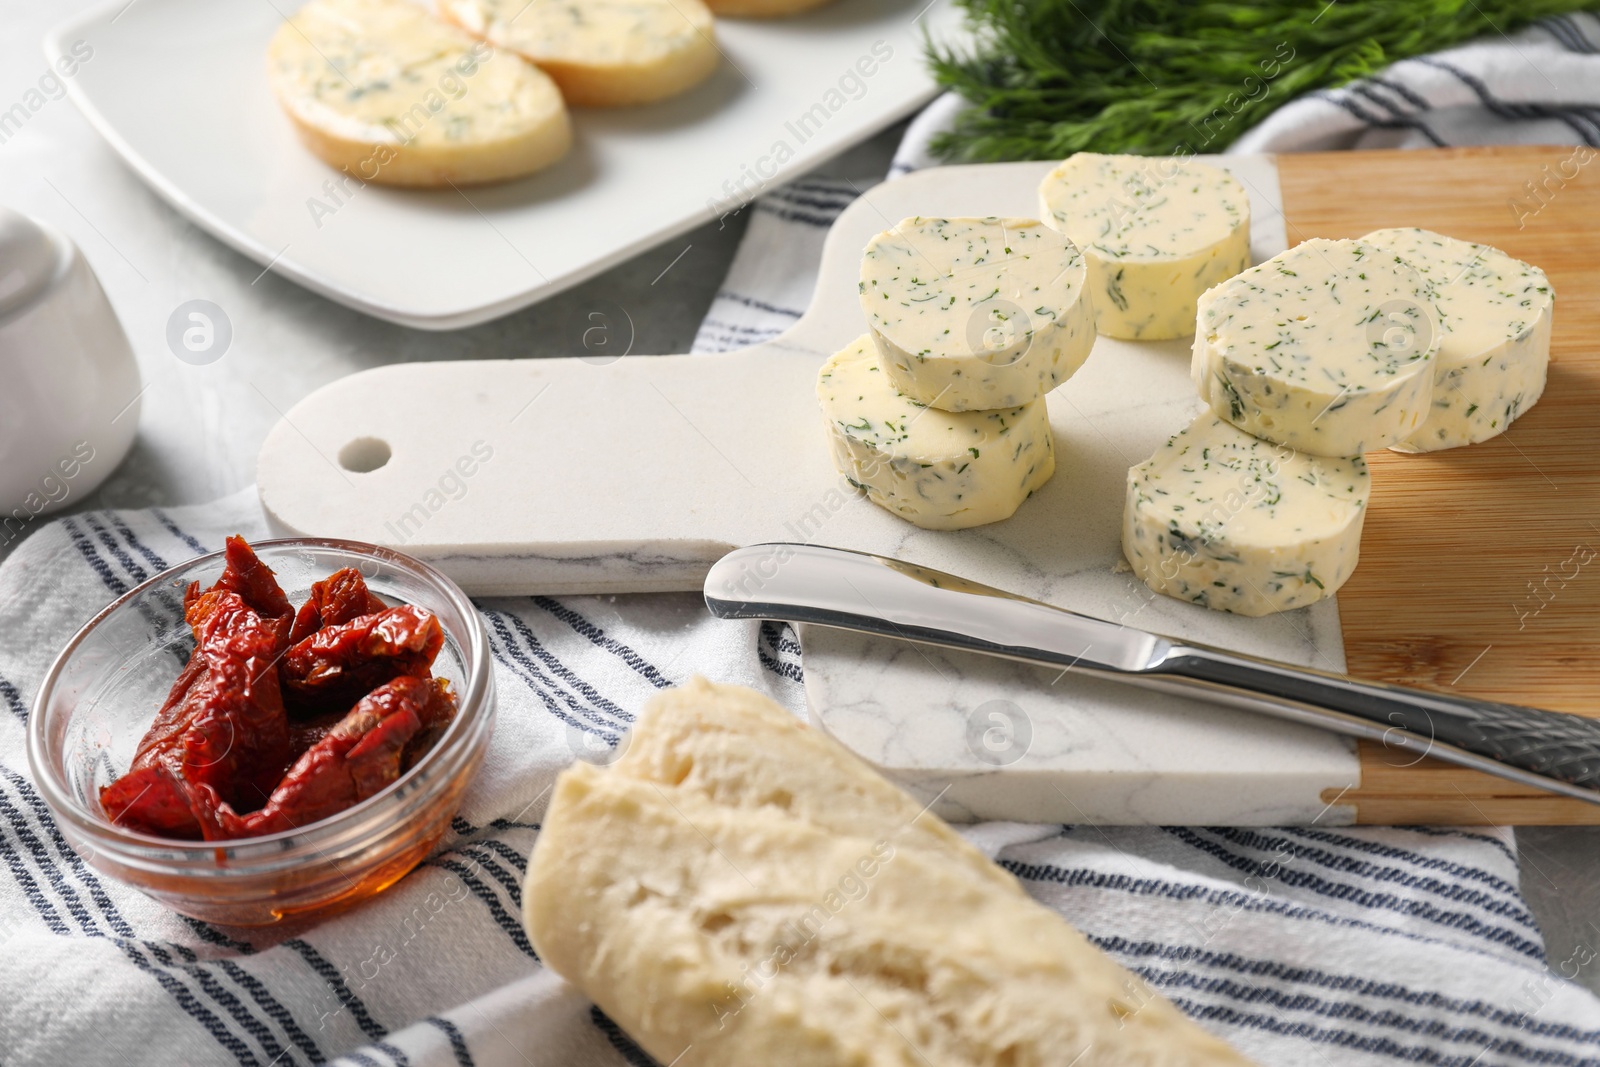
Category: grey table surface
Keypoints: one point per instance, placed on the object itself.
(201, 426)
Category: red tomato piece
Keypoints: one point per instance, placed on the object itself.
(223, 723)
(339, 598)
(359, 757)
(151, 801)
(246, 575)
(337, 665)
(224, 759)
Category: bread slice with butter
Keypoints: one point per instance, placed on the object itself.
(602, 53)
(739, 889)
(763, 9)
(387, 93)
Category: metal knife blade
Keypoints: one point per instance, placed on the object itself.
(875, 594)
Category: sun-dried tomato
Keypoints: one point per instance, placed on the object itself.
(337, 665)
(307, 731)
(223, 724)
(359, 757)
(226, 758)
(339, 598)
(153, 801)
(245, 574)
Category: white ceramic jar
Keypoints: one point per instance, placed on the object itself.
(69, 384)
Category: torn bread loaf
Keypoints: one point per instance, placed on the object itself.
(739, 889)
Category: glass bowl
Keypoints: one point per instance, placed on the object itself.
(101, 695)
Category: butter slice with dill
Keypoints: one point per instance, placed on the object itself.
(976, 313)
(1156, 233)
(1494, 348)
(941, 470)
(1230, 522)
(1326, 348)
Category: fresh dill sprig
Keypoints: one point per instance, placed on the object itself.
(1157, 77)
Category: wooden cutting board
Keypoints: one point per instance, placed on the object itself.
(1477, 572)
(1472, 577)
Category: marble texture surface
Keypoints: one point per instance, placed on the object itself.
(676, 467)
(987, 739)
(983, 738)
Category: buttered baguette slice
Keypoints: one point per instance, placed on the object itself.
(602, 53)
(738, 889)
(1326, 348)
(1230, 522)
(1156, 233)
(1494, 348)
(941, 470)
(387, 93)
(762, 9)
(976, 313)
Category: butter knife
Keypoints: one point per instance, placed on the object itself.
(877, 595)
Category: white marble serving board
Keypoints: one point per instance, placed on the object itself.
(636, 474)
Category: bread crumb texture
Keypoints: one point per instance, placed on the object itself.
(737, 888)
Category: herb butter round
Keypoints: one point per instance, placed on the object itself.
(1156, 232)
(976, 313)
(602, 53)
(1230, 522)
(941, 470)
(1326, 348)
(385, 92)
(1494, 344)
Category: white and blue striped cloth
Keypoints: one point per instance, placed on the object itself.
(1301, 946)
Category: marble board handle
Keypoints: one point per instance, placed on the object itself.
(852, 590)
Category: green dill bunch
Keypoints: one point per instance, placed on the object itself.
(1160, 77)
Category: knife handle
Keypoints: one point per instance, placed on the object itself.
(1547, 744)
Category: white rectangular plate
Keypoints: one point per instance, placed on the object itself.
(178, 88)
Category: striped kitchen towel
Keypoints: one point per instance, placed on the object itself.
(1301, 946)
(1540, 86)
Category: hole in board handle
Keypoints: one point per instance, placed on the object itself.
(364, 455)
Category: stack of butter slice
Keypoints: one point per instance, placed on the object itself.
(938, 413)
(1402, 339)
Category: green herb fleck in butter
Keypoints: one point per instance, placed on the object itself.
(1494, 348)
(1227, 521)
(1326, 348)
(1156, 234)
(941, 470)
(976, 313)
